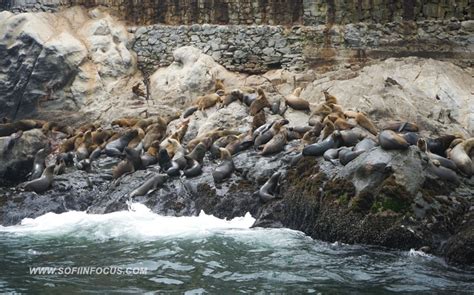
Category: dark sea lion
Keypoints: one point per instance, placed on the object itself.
(276, 144)
(332, 154)
(411, 137)
(349, 137)
(42, 184)
(151, 184)
(275, 108)
(295, 102)
(345, 156)
(293, 135)
(95, 153)
(435, 168)
(440, 145)
(260, 103)
(39, 163)
(164, 160)
(193, 168)
(312, 135)
(365, 145)
(225, 169)
(318, 149)
(116, 147)
(460, 156)
(268, 190)
(189, 111)
(134, 157)
(84, 165)
(148, 160)
(60, 167)
(447, 163)
(389, 140)
(137, 139)
(249, 98)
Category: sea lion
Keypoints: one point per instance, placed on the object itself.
(366, 123)
(144, 123)
(332, 154)
(86, 127)
(133, 156)
(400, 126)
(347, 155)
(225, 169)
(440, 145)
(125, 166)
(84, 165)
(389, 140)
(249, 98)
(164, 159)
(318, 149)
(435, 168)
(137, 139)
(365, 145)
(60, 167)
(193, 168)
(95, 153)
(275, 108)
(268, 190)
(100, 136)
(258, 120)
(312, 135)
(156, 131)
(151, 184)
(39, 163)
(7, 129)
(447, 163)
(207, 101)
(181, 130)
(329, 98)
(319, 114)
(10, 142)
(460, 156)
(411, 137)
(296, 102)
(189, 111)
(260, 103)
(84, 149)
(54, 126)
(276, 144)
(115, 147)
(349, 137)
(210, 136)
(328, 129)
(125, 122)
(40, 185)
(219, 85)
(342, 124)
(270, 133)
(198, 152)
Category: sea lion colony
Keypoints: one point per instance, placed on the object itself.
(337, 135)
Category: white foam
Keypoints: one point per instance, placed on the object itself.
(138, 222)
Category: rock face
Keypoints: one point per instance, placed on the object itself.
(67, 61)
(191, 74)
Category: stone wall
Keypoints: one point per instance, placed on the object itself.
(272, 12)
(257, 49)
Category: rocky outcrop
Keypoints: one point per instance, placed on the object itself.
(69, 63)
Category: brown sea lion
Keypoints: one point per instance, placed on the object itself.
(276, 144)
(295, 102)
(125, 122)
(342, 124)
(137, 139)
(270, 133)
(258, 120)
(366, 123)
(260, 103)
(389, 140)
(328, 129)
(219, 85)
(85, 148)
(212, 136)
(8, 129)
(156, 131)
(125, 166)
(330, 98)
(207, 101)
(181, 131)
(100, 136)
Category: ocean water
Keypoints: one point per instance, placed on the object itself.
(205, 255)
